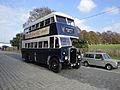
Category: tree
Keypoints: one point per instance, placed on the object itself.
(38, 13)
(94, 37)
(16, 41)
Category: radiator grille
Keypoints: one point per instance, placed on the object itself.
(72, 55)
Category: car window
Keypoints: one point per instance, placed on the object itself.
(98, 56)
(89, 55)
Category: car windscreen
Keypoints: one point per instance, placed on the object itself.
(106, 56)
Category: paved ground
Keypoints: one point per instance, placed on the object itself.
(15, 74)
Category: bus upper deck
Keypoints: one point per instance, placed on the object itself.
(53, 24)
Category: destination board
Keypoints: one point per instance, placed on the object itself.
(40, 32)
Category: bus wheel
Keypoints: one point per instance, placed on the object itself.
(27, 59)
(77, 66)
(55, 65)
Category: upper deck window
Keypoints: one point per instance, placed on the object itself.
(52, 20)
(33, 27)
(30, 28)
(47, 21)
(26, 30)
(37, 25)
(42, 24)
(70, 22)
(61, 19)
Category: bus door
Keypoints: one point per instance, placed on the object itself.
(54, 47)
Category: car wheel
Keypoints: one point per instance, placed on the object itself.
(77, 66)
(55, 65)
(86, 63)
(109, 67)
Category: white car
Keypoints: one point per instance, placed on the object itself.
(100, 59)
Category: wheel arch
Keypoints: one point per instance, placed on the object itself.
(108, 64)
(50, 58)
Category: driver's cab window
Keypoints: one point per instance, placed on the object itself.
(98, 56)
(56, 42)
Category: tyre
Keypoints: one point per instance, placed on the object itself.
(27, 59)
(86, 63)
(109, 67)
(55, 65)
(77, 66)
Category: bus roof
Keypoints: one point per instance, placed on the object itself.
(26, 25)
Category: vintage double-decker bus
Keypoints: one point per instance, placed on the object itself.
(48, 40)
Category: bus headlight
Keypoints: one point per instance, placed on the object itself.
(63, 53)
(79, 56)
(66, 57)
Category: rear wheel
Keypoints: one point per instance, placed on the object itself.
(27, 59)
(109, 67)
(55, 65)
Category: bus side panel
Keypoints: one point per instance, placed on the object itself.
(55, 53)
(42, 55)
(28, 54)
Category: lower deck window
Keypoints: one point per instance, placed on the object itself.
(45, 44)
(35, 45)
(39, 44)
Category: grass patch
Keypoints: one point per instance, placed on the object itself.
(109, 46)
(12, 49)
(112, 49)
(116, 58)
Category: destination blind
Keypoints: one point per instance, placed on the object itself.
(40, 32)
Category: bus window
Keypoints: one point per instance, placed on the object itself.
(28, 45)
(25, 45)
(32, 45)
(35, 44)
(40, 45)
(70, 22)
(51, 42)
(33, 27)
(52, 19)
(61, 19)
(37, 25)
(65, 41)
(42, 24)
(26, 30)
(45, 44)
(47, 21)
(56, 43)
(29, 28)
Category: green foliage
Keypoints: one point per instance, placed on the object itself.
(38, 13)
(79, 43)
(16, 41)
(95, 38)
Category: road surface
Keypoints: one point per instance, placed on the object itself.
(15, 74)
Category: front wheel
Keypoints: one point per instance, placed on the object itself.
(109, 67)
(77, 66)
(55, 65)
